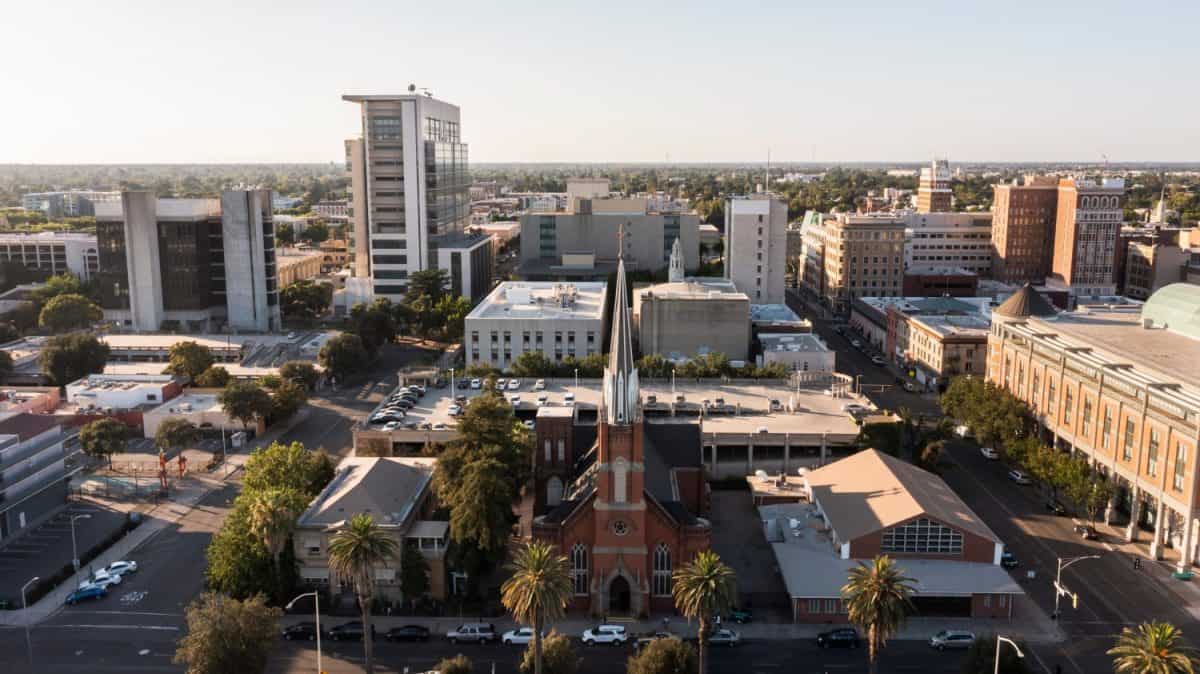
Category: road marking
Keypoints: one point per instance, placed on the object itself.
(153, 628)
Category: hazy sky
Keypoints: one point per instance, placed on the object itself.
(251, 81)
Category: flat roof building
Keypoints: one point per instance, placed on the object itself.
(692, 317)
(803, 352)
(555, 319)
(934, 338)
(53, 253)
(949, 241)
(851, 256)
(756, 246)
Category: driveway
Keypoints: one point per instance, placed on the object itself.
(738, 538)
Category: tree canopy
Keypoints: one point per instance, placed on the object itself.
(103, 438)
(188, 359)
(664, 656)
(344, 356)
(227, 636)
(65, 358)
(69, 312)
(245, 401)
(305, 299)
(214, 377)
(300, 371)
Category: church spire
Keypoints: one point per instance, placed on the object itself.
(675, 273)
(621, 396)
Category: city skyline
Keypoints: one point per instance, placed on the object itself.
(695, 83)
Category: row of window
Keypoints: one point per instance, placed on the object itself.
(660, 585)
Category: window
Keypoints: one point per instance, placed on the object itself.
(579, 569)
(1068, 406)
(1087, 417)
(1106, 429)
(1152, 454)
(548, 452)
(1130, 432)
(1180, 465)
(814, 606)
(554, 491)
(662, 571)
(1051, 394)
(1036, 394)
(619, 470)
(562, 450)
(923, 535)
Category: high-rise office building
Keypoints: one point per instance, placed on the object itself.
(1023, 216)
(410, 190)
(756, 246)
(1085, 235)
(933, 190)
(189, 264)
(850, 256)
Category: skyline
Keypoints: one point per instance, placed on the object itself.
(697, 84)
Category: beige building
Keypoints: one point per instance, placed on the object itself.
(934, 194)
(692, 317)
(555, 319)
(933, 337)
(756, 246)
(1120, 386)
(1158, 261)
(1085, 235)
(851, 256)
(396, 492)
(297, 264)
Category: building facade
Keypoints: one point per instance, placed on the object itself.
(33, 471)
(853, 256)
(52, 253)
(1023, 221)
(799, 352)
(555, 319)
(692, 317)
(1086, 228)
(298, 264)
(756, 246)
(68, 204)
(949, 241)
(934, 194)
(934, 338)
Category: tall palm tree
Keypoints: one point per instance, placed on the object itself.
(704, 588)
(354, 552)
(537, 591)
(1153, 648)
(877, 598)
(272, 518)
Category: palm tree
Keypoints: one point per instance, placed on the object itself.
(537, 591)
(354, 552)
(272, 517)
(1153, 648)
(704, 588)
(877, 597)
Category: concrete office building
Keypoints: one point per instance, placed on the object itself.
(556, 319)
(851, 256)
(949, 241)
(68, 204)
(756, 246)
(1023, 221)
(53, 253)
(1085, 235)
(1118, 385)
(336, 211)
(33, 471)
(189, 264)
(410, 193)
(933, 190)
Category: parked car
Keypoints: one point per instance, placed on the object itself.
(87, 592)
(776, 405)
(878, 360)
(463, 384)
(101, 578)
(724, 637)
(123, 567)
(515, 400)
(475, 383)
(514, 384)
(539, 385)
(391, 425)
(518, 637)
(952, 639)
(478, 633)
(1087, 531)
(569, 399)
(1008, 560)
(439, 426)
(351, 631)
(529, 424)
(910, 387)
(843, 637)
(305, 631)
(605, 634)
(856, 343)
(989, 453)
(1056, 507)
(542, 399)
(1019, 477)
(407, 633)
(854, 409)
(741, 616)
(455, 410)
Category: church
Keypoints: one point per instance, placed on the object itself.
(622, 497)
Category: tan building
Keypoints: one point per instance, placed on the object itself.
(852, 256)
(1156, 261)
(933, 191)
(335, 255)
(396, 492)
(1023, 217)
(296, 264)
(933, 337)
(692, 317)
(1085, 235)
(1120, 386)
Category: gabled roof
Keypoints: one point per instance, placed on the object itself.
(1024, 303)
(388, 489)
(870, 491)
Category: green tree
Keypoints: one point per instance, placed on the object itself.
(663, 656)
(354, 553)
(103, 437)
(305, 299)
(59, 284)
(245, 401)
(459, 664)
(344, 356)
(69, 312)
(981, 658)
(703, 589)
(654, 366)
(188, 359)
(430, 283)
(877, 598)
(533, 364)
(1153, 648)
(557, 656)
(65, 358)
(414, 574)
(227, 636)
(300, 371)
(288, 466)
(214, 377)
(451, 312)
(175, 433)
(315, 232)
(373, 323)
(273, 514)
(537, 590)
(287, 399)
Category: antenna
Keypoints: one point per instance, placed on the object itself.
(768, 170)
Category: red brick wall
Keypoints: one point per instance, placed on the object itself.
(822, 614)
(991, 606)
(975, 548)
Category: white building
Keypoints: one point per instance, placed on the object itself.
(801, 352)
(68, 204)
(949, 241)
(122, 392)
(557, 319)
(202, 409)
(53, 252)
(756, 246)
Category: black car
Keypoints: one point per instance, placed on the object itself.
(844, 637)
(1008, 560)
(463, 384)
(1056, 507)
(351, 631)
(306, 631)
(407, 633)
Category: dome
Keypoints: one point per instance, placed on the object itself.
(1175, 307)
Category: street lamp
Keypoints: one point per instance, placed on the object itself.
(317, 616)
(576, 381)
(1059, 588)
(857, 385)
(672, 383)
(24, 607)
(1010, 642)
(451, 382)
(75, 550)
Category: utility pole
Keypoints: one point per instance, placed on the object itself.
(1060, 590)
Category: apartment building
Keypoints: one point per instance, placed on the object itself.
(410, 196)
(33, 471)
(1023, 221)
(53, 253)
(949, 241)
(756, 246)
(934, 194)
(1119, 386)
(851, 256)
(189, 264)
(556, 319)
(1086, 228)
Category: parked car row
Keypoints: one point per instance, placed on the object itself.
(485, 633)
(96, 585)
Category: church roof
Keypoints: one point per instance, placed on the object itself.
(1024, 303)
(620, 356)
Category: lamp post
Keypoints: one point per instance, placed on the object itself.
(74, 549)
(1010, 642)
(24, 606)
(577, 382)
(317, 617)
(857, 385)
(451, 382)
(1059, 588)
(672, 383)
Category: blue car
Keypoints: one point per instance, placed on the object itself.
(89, 592)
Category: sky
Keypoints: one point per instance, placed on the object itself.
(254, 81)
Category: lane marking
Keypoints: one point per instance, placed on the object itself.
(153, 628)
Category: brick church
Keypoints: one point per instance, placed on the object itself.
(620, 496)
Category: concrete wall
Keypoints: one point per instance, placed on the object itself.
(757, 262)
(244, 218)
(670, 325)
(481, 351)
(142, 261)
(644, 238)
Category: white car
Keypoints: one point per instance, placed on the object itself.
(518, 637)
(542, 400)
(102, 579)
(569, 399)
(122, 567)
(515, 400)
(1019, 477)
(475, 383)
(529, 424)
(514, 384)
(604, 634)
(391, 425)
(854, 408)
(989, 453)
(539, 385)
(440, 426)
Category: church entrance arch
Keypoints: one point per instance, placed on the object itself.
(619, 596)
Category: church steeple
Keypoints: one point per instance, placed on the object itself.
(621, 396)
(675, 273)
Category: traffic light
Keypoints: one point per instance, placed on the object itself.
(1075, 601)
